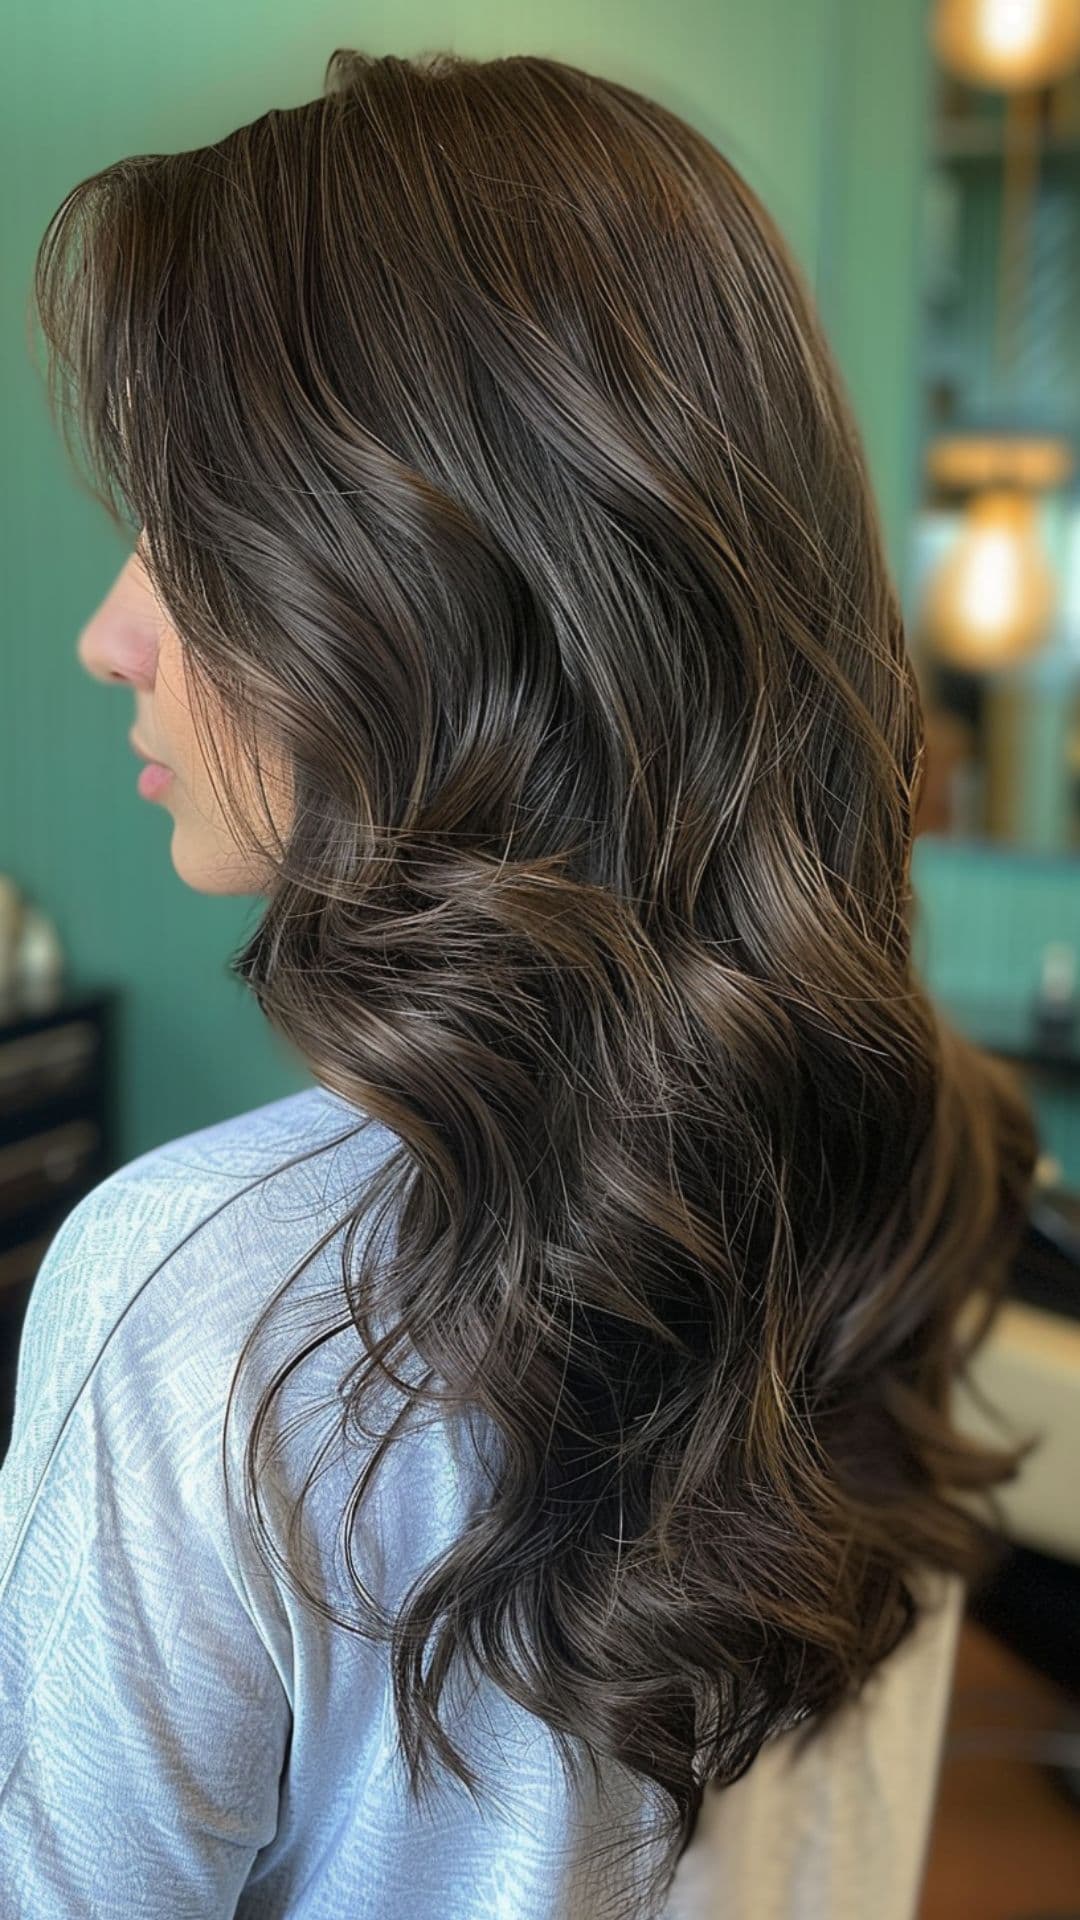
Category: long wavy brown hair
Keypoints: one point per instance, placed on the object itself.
(492, 464)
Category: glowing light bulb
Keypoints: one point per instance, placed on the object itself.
(993, 598)
(1007, 44)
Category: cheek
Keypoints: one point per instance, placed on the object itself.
(172, 711)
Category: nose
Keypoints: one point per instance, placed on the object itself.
(120, 639)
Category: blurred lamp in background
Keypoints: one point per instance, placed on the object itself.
(1015, 48)
(993, 599)
(1006, 44)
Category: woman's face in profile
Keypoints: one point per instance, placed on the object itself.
(130, 641)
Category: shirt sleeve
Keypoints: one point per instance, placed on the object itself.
(144, 1725)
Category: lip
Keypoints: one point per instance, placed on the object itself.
(153, 780)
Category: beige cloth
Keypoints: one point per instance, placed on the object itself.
(841, 1832)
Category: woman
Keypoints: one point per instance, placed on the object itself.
(510, 611)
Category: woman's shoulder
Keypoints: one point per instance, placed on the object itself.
(275, 1138)
(185, 1203)
(148, 1289)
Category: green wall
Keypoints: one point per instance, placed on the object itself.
(819, 102)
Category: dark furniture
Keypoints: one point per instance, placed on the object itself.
(57, 1140)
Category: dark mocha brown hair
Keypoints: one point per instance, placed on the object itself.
(492, 464)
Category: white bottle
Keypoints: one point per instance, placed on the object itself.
(1056, 1000)
(39, 961)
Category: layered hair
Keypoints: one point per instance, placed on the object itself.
(491, 462)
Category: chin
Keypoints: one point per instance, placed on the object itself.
(209, 872)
